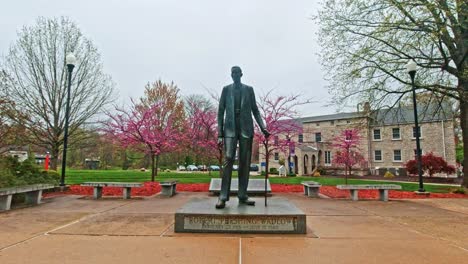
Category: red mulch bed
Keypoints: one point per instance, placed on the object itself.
(152, 188)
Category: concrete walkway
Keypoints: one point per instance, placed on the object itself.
(70, 229)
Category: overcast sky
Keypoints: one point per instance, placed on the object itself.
(193, 43)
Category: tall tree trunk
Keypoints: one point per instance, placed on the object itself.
(152, 167)
(157, 165)
(55, 151)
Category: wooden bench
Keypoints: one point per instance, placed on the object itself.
(33, 194)
(311, 188)
(383, 189)
(168, 187)
(127, 187)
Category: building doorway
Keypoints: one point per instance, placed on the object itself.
(296, 167)
(306, 162)
(313, 163)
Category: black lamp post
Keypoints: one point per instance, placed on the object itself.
(411, 69)
(71, 61)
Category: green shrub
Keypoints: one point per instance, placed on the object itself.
(460, 190)
(322, 171)
(291, 175)
(274, 171)
(14, 173)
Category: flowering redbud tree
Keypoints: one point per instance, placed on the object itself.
(203, 133)
(279, 114)
(348, 153)
(141, 128)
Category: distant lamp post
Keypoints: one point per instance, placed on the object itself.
(411, 69)
(71, 61)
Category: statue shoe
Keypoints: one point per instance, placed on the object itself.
(247, 202)
(220, 204)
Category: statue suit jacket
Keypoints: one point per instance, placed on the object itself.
(226, 115)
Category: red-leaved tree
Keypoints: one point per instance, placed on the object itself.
(348, 153)
(279, 114)
(431, 164)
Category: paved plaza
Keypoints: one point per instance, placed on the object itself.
(73, 229)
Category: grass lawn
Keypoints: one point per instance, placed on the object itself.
(79, 176)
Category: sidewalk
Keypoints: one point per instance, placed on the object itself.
(68, 229)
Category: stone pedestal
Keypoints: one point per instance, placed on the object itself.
(279, 217)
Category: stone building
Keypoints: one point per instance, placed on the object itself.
(387, 140)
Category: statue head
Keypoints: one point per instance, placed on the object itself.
(236, 74)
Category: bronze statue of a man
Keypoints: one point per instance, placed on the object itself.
(235, 124)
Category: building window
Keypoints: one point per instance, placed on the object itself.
(397, 155)
(414, 132)
(377, 155)
(276, 156)
(347, 121)
(377, 135)
(332, 122)
(318, 137)
(327, 157)
(301, 138)
(317, 124)
(396, 133)
(276, 140)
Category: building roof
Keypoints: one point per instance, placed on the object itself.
(392, 116)
(331, 117)
(405, 115)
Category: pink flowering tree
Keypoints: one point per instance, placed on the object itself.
(141, 128)
(348, 153)
(279, 114)
(203, 133)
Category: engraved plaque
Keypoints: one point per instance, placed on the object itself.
(236, 223)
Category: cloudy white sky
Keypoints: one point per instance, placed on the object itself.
(193, 43)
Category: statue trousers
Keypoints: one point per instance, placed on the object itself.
(245, 155)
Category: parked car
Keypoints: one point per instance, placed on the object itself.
(235, 167)
(181, 168)
(253, 167)
(192, 168)
(214, 168)
(202, 167)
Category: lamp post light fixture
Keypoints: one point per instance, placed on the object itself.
(411, 69)
(70, 61)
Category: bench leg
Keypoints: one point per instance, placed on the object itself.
(306, 190)
(174, 189)
(126, 192)
(5, 202)
(167, 190)
(97, 194)
(34, 197)
(313, 192)
(383, 195)
(354, 195)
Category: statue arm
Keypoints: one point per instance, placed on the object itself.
(221, 109)
(256, 113)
